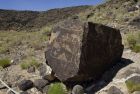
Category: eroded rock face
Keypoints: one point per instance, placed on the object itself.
(80, 51)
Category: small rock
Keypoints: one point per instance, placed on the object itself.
(49, 77)
(78, 89)
(131, 9)
(114, 90)
(135, 22)
(133, 83)
(40, 84)
(2, 86)
(34, 91)
(10, 92)
(44, 70)
(136, 92)
(25, 85)
(24, 92)
(45, 89)
(31, 69)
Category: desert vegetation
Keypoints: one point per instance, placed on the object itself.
(133, 40)
(57, 88)
(5, 62)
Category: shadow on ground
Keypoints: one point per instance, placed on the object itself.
(108, 76)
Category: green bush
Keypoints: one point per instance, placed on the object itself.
(29, 63)
(57, 88)
(4, 62)
(133, 41)
(136, 48)
(132, 86)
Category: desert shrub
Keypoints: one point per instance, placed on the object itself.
(3, 49)
(4, 62)
(132, 86)
(133, 41)
(57, 88)
(136, 48)
(29, 63)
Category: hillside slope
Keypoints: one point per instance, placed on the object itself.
(27, 20)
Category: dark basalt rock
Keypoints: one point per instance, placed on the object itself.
(25, 85)
(40, 83)
(79, 51)
(135, 22)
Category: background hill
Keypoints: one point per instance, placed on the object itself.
(29, 20)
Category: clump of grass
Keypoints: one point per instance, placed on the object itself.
(3, 49)
(136, 48)
(133, 40)
(29, 63)
(131, 86)
(57, 88)
(4, 62)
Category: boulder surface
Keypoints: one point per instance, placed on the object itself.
(80, 51)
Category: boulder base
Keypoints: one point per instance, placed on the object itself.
(80, 51)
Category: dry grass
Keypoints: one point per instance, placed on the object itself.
(29, 62)
(31, 39)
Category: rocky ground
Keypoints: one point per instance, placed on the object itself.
(112, 81)
(117, 83)
(123, 15)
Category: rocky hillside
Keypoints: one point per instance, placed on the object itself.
(28, 20)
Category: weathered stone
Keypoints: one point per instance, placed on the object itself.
(132, 9)
(44, 70)
(31, 69)
(114, 90)
(136, 92)
(34, 91)
(133, 84)
(2, 86)
(135, 22)
(45, 89)
(24, 92)
(40, 84)
(80, 51)
(78, 89)
(25, 85)
(49, 77)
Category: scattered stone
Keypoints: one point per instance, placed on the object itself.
(10, 92)
(24, 92)
(114, 90)
(135, 22)
(45, 89)
(77, 51)
(25, 85)
(2, 86)
(133, 84)
(34, 91)
(136, 92)
(132, 9)
(44, 70)
(49, 77)
(31, 69)
(40, 84)
(78, 89)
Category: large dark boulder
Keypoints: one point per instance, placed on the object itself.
(79, 51)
